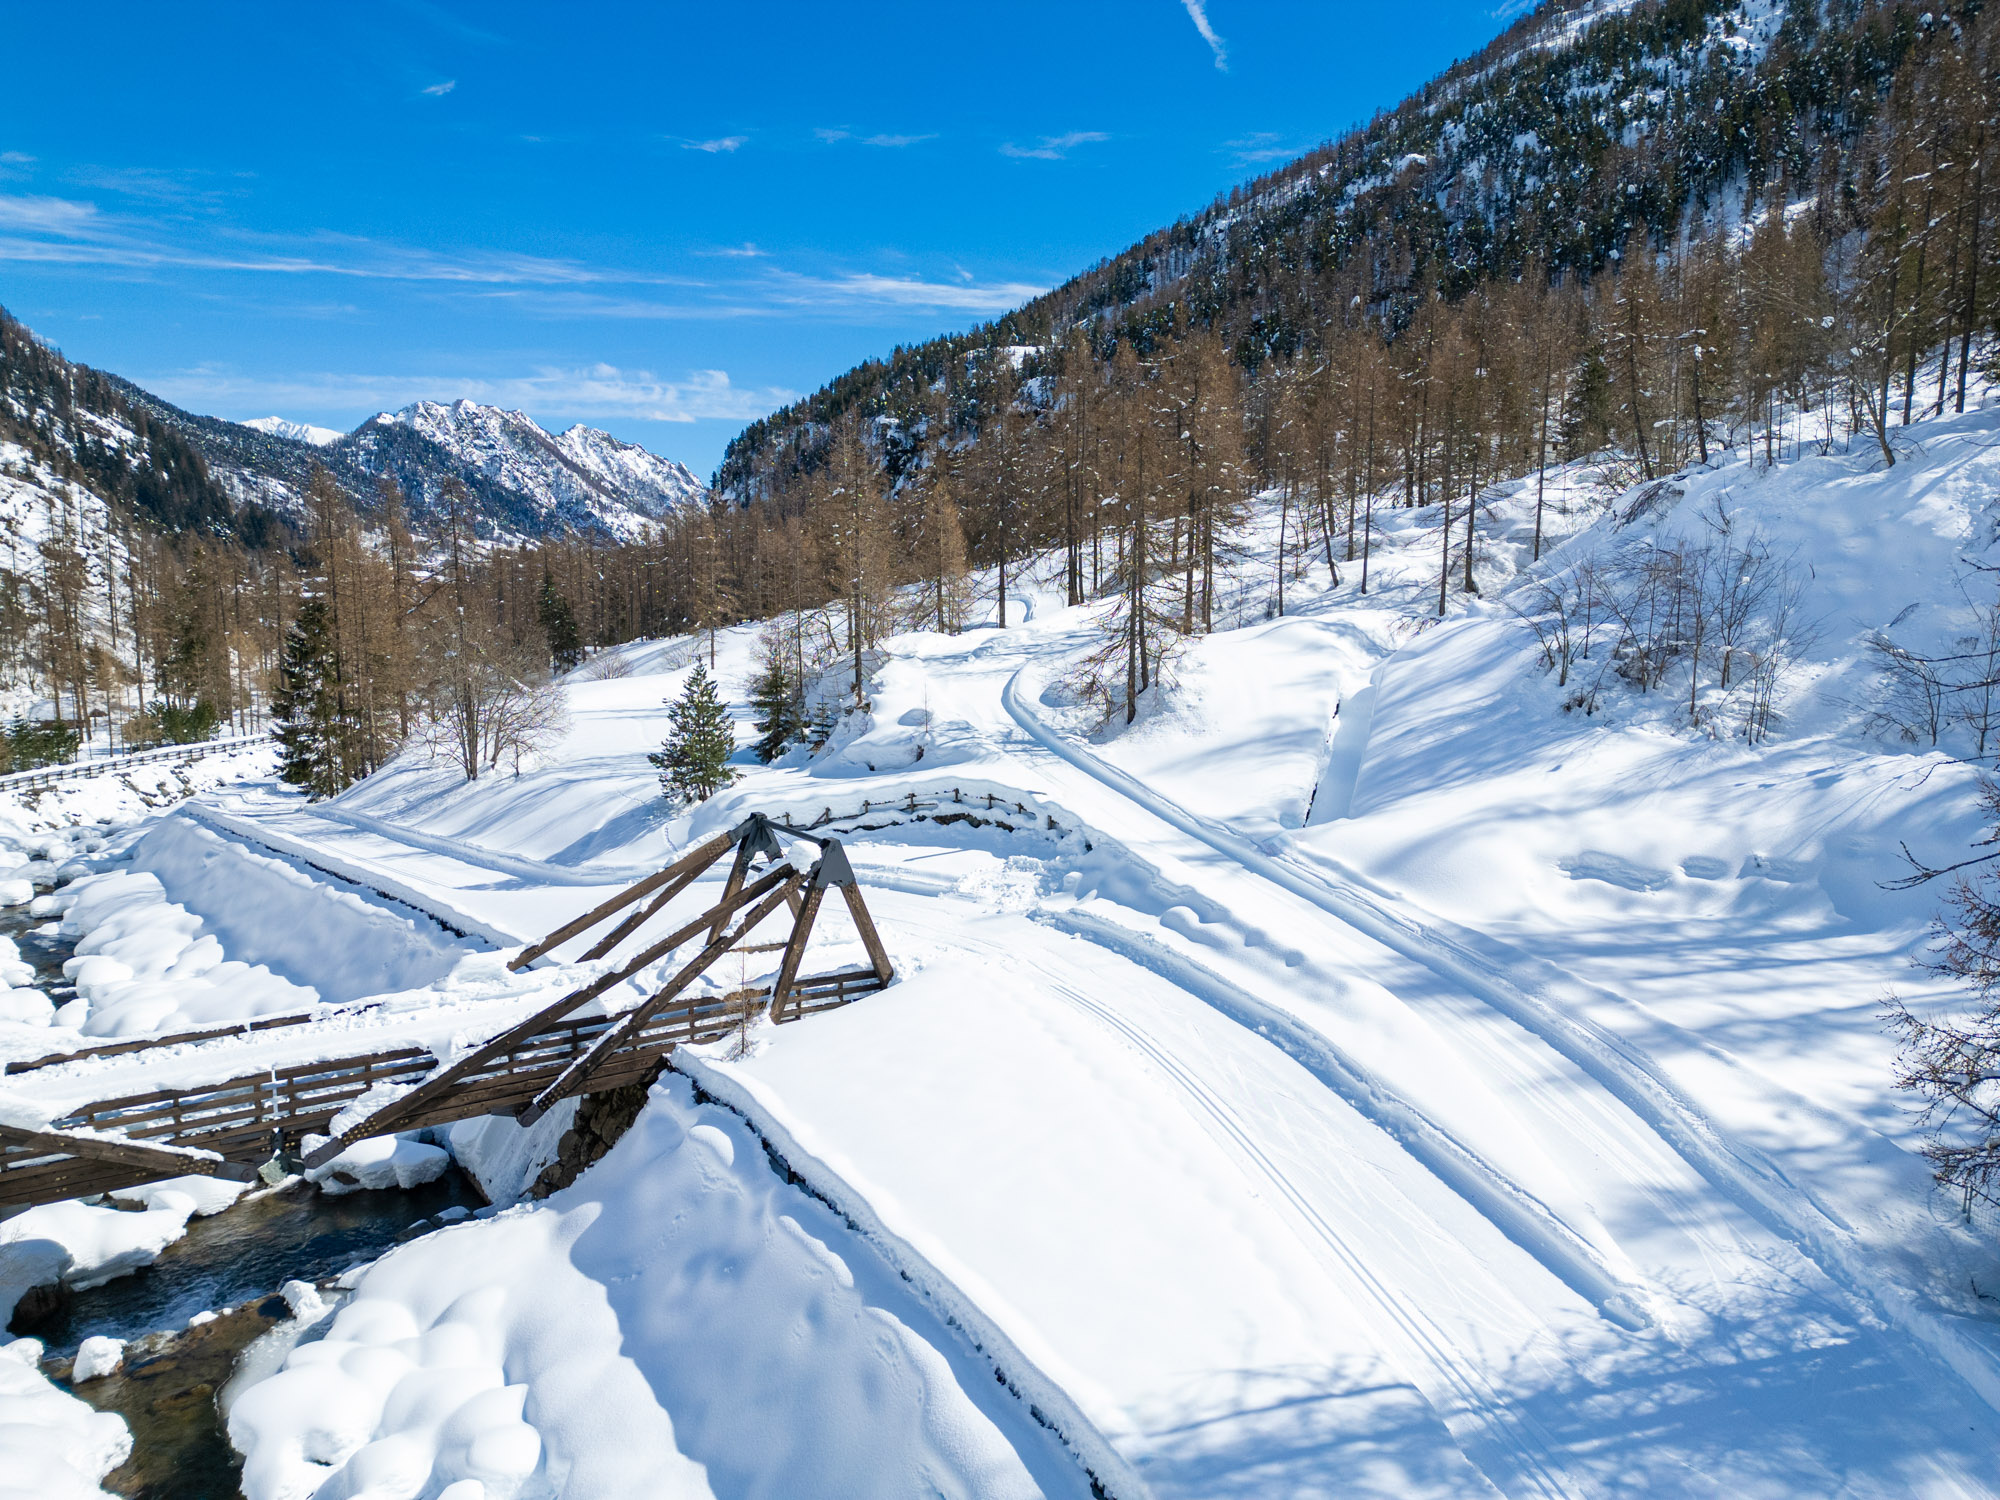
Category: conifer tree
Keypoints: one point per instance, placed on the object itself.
(558, 624)
(693, 760)
(778, 697)
(307, 705)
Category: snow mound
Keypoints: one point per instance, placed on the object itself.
(610, 1341)
(53, 1446)
(96, 1357)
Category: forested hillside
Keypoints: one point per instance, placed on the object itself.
(1543, 156)
(1636, 233)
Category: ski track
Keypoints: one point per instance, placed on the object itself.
(1743, 1174)
(1477, 1410)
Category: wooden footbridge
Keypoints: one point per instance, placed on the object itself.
(230, 1129)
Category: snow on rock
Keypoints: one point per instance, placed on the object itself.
(610, 1341)
(96, 1244)
(26, 1007)
(383, 1161)
(52, 1445)
(303, 1298)
(16, 892)
(97, 1356)
(209, 1195)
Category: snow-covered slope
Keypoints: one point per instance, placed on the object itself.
(1363, 1076)
(298, 432)
(583, 479)
(647, 483)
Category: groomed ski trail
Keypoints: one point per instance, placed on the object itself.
(1642, 1090)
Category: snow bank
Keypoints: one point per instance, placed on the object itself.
(268, 912)
(97, 1244)
(665, 1328)
(52, 1446)
(144, 963)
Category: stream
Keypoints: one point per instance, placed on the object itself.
(235, 1260)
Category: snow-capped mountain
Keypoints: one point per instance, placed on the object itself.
(651, 485)
(183, 470)
(583, 480)
(298, 432)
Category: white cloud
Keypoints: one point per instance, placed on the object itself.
(830, 135)
(1261, 146)
(553, 394)
(719, 144)
(39, 215)
(744, 251)
(68, 231)
(904, 291)
(439, 90)
(16, 158)
(897, 140)
(1198, 13)
(1054, 147)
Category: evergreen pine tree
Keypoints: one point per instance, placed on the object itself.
(307, 705)
(558, 624)
(777, 697)
(693, 760)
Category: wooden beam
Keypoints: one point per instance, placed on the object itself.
(739, 867)
(644, 914)
(172, 1161)
(387, 1117)
(878, 956)
(795, 950)
(697, 859)
(573, 1076)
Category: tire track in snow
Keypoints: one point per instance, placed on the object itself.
(1740, 1171)
(1479, 1412)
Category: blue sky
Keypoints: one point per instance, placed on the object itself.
(660, 220)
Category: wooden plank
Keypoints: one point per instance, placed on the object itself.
(573, 1076)
(697, 859)
(739, 867)
(141, 1044)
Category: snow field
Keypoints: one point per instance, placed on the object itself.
(1377, 1081)
(490, 1351)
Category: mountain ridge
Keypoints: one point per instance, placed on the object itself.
(184, 471)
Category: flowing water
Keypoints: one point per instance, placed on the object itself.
(234, 1260)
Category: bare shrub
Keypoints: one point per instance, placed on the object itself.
(1952, 1065)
